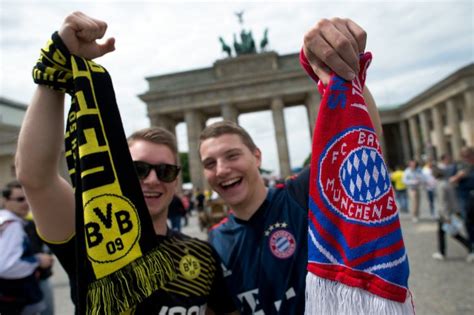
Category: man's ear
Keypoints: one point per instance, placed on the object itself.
(258, 156)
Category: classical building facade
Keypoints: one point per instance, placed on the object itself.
(231, 87)
(11, 116)
(439, 120)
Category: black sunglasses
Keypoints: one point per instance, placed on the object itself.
(18, 199)
(165, 172)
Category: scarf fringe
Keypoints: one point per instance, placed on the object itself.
(329, 297)
(129, 286)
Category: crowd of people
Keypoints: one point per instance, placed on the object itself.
(449, 190)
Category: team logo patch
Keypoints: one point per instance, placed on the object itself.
(282, 243)
(190, 267)
(353, 178)
(112, 227)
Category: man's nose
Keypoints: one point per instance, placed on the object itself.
(152, 177)
(222, 168)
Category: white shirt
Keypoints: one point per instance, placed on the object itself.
(13, 242)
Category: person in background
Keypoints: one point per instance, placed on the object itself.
(176, 212)
(187, 206)
(20, 292)
(200, 200)
(413, 179)
(430, 186)
(44, 274)
(464, 181)
(447, 207)
(446, 165)
(400, 188)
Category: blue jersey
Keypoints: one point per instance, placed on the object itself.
(264, 259)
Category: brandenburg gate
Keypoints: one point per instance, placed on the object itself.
(232, 86)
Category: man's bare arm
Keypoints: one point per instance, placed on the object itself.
(38, 157)
(373, 112)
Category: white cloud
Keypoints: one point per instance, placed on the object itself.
(415, 44)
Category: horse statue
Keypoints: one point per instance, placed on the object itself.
(225, 47)
(264, 41)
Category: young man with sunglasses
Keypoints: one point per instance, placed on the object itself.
(263, 244)
(155, 157)
(20, 291)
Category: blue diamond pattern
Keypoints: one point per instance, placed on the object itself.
(364, 175)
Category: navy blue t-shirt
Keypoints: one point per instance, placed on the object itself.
(264, 259)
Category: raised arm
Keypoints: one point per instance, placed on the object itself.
(40, 143)
(38, 157)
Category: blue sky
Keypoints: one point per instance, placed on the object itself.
(415, 44)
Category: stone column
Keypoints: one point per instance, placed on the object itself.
(280, 136)
(405, 141)
(439, 131)
(415, 137)
(312, 103)
(453, 123)
(425, 135)
(229, 112)
(469, 116)
(194, 124)
(169, 124)
(165, 122)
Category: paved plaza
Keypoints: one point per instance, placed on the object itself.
(439, 287)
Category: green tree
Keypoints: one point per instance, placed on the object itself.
(307, 161)
(184, 158)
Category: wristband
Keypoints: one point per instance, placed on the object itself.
(53, 68)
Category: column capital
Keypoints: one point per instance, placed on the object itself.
(277, 102)
(164, 121)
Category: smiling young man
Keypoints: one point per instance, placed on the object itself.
(198, 285)
(263, 244)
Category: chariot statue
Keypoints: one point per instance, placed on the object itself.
(246, 45)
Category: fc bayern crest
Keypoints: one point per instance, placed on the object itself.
(353, 178)
(282, 243)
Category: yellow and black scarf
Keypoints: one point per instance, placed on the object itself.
(118, 265)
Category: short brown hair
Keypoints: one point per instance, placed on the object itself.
(225, 127)
(467, 152)
(7, 190)
(156, 135)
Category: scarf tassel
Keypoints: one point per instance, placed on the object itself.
(129, 286)
(324, 297)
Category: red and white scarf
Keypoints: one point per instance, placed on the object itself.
(357, 263)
